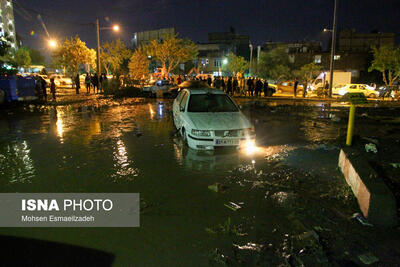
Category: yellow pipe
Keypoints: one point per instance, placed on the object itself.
(350, 125)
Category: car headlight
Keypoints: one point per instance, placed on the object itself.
(201, 132)
(248, 132)
(342, 91)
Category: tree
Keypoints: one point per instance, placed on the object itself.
(113, 55)
(6, 56)
(21, 57)
(36, 57)
(236, 64)
(172, 51)
(307, 73)
(274, 65)
(387, 61)
(72, 54)
(139, 64)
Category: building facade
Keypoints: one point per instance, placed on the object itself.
(351, 41)
(213, 54)
(145, 37)
(7, 25)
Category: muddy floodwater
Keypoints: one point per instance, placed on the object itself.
(283, 204)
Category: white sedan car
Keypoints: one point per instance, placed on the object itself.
(208, 118)
(367, 90)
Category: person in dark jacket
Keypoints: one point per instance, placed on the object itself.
(95, 83)
(259, 86)
(44, 88)
(266, 89)
(77, 84)
(87, 83)
(209, 80)
(229, 86)
(296, 83)
(250, 87)
(223, 85)
(53, 88)
(235, 85)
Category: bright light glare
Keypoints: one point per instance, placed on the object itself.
(116, 28)
(52, 43)
(225, 61)
(250, 146)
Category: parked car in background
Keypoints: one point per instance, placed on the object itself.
(389, 91)
(288, 87)
(367, 90)
(160, 87)
(208, 118)
(62, 79)
(47, 79)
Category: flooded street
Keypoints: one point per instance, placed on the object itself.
(197, 208)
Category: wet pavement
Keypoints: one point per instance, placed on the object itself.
(284, 204)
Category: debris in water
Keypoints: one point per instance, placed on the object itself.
(217, 187)
(250, 246)
(258, 184)
(359, 217)
(368, 258)
(333, 117)
(233, 206)
(395, 165)
(371, 148)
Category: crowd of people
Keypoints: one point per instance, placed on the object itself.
(92, 81)
(232, 85)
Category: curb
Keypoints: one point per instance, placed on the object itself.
(375, 199)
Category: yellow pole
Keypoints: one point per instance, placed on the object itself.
(350, 125)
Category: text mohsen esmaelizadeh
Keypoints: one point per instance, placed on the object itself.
(70, 209)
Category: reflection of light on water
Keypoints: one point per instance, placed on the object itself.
(151, 111)
(60, 125)
(121, 155)
(16, 163)
(160, 110)
(123, 164)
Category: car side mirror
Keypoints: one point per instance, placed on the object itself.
(182, 109)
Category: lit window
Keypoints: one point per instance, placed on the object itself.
(317, 59)
(217, 63)
(336, 57)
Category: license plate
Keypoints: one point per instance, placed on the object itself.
(227, 142)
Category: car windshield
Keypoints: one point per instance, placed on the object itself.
(211, 103)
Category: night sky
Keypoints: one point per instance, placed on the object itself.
(268, 20)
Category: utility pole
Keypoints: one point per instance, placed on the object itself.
(332, 50)
(98, 47)
(251, 58)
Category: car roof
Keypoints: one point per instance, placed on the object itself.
(202, 91)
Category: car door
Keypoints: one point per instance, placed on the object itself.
(352, 88)
(179, 109)
(363, 89)
(175, 106)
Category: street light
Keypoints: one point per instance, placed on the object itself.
(225, 61)
(52, 43)
(114, 28)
